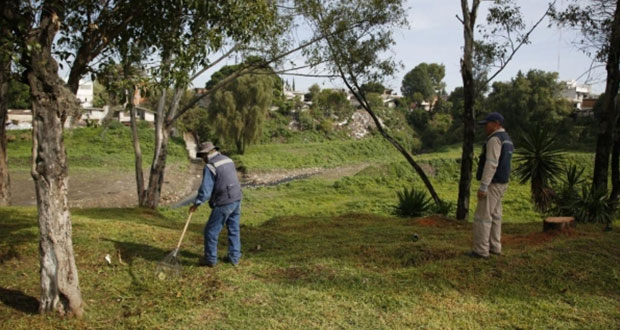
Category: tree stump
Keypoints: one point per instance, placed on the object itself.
(561, 224)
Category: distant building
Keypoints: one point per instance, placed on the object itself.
(576, 92)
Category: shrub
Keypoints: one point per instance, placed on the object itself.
(567, 193)
(593, 205)
(443, 208)
(412, 203)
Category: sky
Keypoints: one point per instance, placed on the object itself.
(436, 36)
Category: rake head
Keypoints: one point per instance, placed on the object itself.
(169, 267)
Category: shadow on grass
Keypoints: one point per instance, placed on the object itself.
(19, 301)
(139, 215)
(130, 250)
(14, 221)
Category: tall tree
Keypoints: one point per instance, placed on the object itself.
(46, 31)
(355, 54)
(238, 111)
(426, 80)
(505, 34)
(599, 22)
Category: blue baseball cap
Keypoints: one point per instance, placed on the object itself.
(493, 116)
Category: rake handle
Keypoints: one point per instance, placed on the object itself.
(189, 217)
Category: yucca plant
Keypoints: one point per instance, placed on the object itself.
(539, 160)
(412, 203)
(594, 206)
(567, 192)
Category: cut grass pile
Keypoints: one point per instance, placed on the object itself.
(350, 271)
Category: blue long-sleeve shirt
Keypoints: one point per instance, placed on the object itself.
(206, 188)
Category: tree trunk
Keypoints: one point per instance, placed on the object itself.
(609, 115)
(137, 150)
(469, 89)
(163, 129)
(60, 289)
(5, 184)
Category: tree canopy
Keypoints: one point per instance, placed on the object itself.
(237, 112)
(530, 99)
(425, 80)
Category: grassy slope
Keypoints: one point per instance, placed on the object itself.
(94, 148)
(318, 264)
(351, 271)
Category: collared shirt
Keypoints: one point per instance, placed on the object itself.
(494, 150)
(208, 180)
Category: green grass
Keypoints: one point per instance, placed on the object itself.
(95, 148)
(350, 271)
(318, 253)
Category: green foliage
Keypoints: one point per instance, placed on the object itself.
(539, 158)
(444, 208)
(373, 87)
(238, 111)
(332, 103)
(412, 203)
(326, 126)
(18, 95)
(567, 193)
(593, 205)
(424, 81)
(530, 100)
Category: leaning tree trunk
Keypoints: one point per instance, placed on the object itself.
(51, 101)
(609, 115)
(5, 184)
(469, 22)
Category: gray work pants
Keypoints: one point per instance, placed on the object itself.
(488, 221)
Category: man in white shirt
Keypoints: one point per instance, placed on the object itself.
(493, 173)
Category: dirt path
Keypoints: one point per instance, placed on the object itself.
(109, 187)
(117, 188)
(263, 178)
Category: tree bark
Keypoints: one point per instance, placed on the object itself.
(469, 89)
(136, 148)
(163, 130)
(609, 115)
(5, 183)
(60, 290)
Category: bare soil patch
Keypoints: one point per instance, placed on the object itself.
(105, 187)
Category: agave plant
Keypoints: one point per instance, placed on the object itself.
(594, 206)
(567, 193)
(412, 203)
(539, 160)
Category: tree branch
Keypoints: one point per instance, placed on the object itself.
(521, 43)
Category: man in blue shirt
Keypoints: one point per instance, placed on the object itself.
(221, 189)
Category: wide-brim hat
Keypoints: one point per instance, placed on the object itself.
(205, 148)
(493, 117)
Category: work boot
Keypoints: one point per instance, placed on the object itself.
(204, 262)
(227, 259)
(476, 255)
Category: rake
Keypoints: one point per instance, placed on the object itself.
(170, 266)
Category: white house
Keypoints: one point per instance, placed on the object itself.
(576, 92)
(141, 114)
(86, 93)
